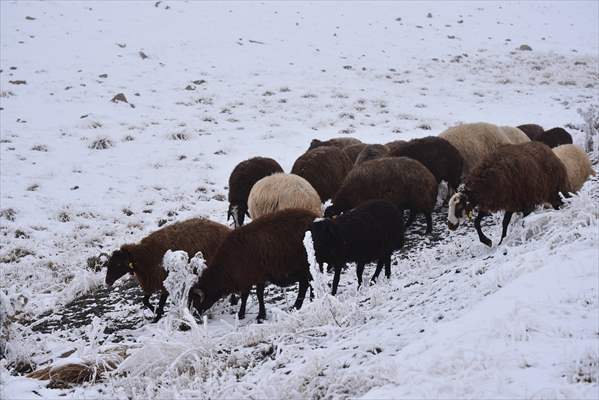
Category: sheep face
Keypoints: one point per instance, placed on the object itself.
(325, 238)
(238, 214)
(459, 208)
(119, 264)
(201, 298)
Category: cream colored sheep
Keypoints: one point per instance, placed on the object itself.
(578, 165)
(479, 140)
(281, 191)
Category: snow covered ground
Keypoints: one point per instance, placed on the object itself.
(210, 84)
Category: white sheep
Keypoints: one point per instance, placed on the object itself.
(577, 163)
(478, 140)
(281, 191)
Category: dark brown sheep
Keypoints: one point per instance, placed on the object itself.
(267, 250)
(404, 182)
(555, 137)
(515, 178)
(352, 151)
(341, 142)
(372, 152)
(533, 131)
(241, 181)
(325, 168)
(144, 260)
(395, 145)
(438, 155)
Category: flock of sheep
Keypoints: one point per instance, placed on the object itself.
(486, 167)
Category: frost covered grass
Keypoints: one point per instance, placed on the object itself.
(214, 84)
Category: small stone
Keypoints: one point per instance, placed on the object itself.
(190, 87)
(28, 18)
(143, 55)
(429, 15)
(525, 47)
(199, 82)
(119, 97)
(103, 76)
(18, 82)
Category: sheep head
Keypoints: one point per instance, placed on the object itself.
(325, 237)
(460, 208)
(238, 213)
(119, 264)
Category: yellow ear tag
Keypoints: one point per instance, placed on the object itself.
(130, 265)
(469, 215)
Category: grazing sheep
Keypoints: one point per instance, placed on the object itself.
(243, 177)
(341, 143)
(280, 191)
(372, 152)
(267, 250)
(555, 137)
(352, 151)
(369, 232)
(533, 131)
(577, 163)
(515, 178)
(395, 145)
(438, 155)
(477, 141)
(325, 168)
(144, 260)
(404, 182)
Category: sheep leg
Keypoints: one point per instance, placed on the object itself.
(507, 217)
(481, 236)
(429, 223)
(233, 300)
(161, 303)
(261, 307)
(244, 299)
(146, 302)
(336, 278)
(379, 267)
(388, 266)
(301, 294)
(359, 273)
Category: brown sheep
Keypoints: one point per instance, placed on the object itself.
(372, 152)
(144, 260)
(325, 168)
(533, 131)
(267, 250)
(395, 145)
(438, 155)
(241, 181)
(556, 137)
(515, 178)
(341, 142)
(404, 182)
(352, 151)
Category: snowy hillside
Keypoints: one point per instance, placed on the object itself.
(210, 84)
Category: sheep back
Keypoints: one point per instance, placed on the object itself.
(395, 145)
(367, 233)
(403, 181)
(372, 152)
(577, 163)
(325, 168)
(352, 151)
(555, 137)
(341, 142)
(517, 178)
(243, 178)
(280, 191)
(438, 155)
(514, 135)
(533, 131)
(475, 141)
(191, 236)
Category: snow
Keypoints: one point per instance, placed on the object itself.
(226, 81)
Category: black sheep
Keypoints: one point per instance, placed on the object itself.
(555, 137)
(369, 232)
(241, 181)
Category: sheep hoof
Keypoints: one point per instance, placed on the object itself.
(260, 319)
(241, 316)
